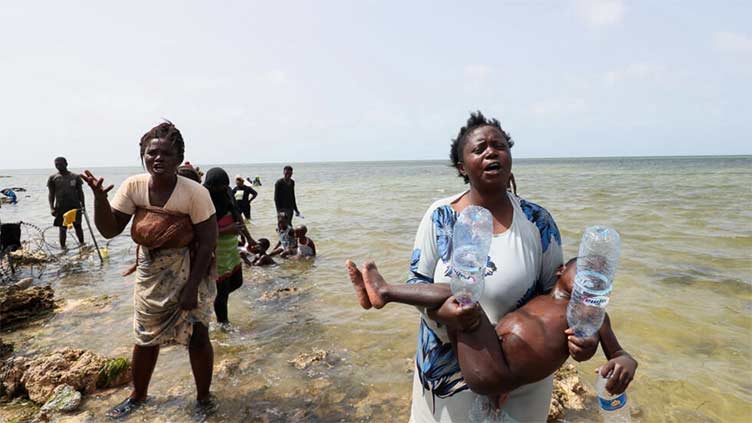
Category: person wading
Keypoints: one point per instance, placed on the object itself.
(65, 194)
(175, 228)
(284, 195)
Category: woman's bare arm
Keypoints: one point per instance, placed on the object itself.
(206, 239)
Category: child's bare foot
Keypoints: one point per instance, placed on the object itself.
(357, 281)
(375, 285)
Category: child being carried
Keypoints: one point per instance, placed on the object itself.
(532, 340)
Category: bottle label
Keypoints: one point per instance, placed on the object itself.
(596, 301)
(614, 403)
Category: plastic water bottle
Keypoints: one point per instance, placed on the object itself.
(613, 408)
(471, 240)
(596, 266)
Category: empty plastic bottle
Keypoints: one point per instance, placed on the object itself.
(471, 240)
(596, 266)
(613, 408)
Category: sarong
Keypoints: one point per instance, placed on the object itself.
(161, 275)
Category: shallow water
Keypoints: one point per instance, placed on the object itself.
(682, 303)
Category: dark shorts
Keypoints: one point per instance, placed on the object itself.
(60, 211)
(245, 209)
(288, 214)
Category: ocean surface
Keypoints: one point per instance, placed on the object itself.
(682, 302)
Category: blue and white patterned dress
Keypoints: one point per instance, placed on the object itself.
(522, 263)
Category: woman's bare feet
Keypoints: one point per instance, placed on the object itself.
(357, 281)
(375, 285)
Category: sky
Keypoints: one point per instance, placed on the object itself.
(301, 81)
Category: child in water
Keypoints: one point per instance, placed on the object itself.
(258, 256)
(532, 340)
(306, 247)
(287, 245)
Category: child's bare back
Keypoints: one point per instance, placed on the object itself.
(532, 338)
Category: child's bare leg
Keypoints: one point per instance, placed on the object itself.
(357, 281)
(380, 292)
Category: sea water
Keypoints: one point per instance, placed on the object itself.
(683, 307)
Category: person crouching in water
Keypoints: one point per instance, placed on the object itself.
(229, 270)
(306, 247)
(287, 245)
(256, 255)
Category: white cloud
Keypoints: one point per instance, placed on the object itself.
(732, 41)
(277, 77)
(476, 72)
(634, 71)
(600, 12)
(558, 107)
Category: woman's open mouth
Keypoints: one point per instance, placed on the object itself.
(494, 167)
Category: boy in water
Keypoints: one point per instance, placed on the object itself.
(287, 244)
(258, 251)
(530, 342)
(306, 247)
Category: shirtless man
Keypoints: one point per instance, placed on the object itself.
(526, 346)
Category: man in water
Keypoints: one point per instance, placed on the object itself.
(284, 195)
(65, 194)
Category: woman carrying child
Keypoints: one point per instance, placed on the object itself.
(523, 260)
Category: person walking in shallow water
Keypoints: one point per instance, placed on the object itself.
(284, 195)
(227, 257)
(175, 228)
(65, 194)
(243, 196)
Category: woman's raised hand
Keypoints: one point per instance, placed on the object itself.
(96, 184)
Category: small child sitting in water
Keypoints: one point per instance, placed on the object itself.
(306, 247)
(259, 256)
(532, 340)
(287, 245)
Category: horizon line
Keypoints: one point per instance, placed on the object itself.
(414, 160)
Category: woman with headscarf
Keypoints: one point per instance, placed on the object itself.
(229, 269)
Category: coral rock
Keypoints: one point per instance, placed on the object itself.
(18, 305)
(82, 370)
(569, 392)
(306, 359)
(64, 398)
